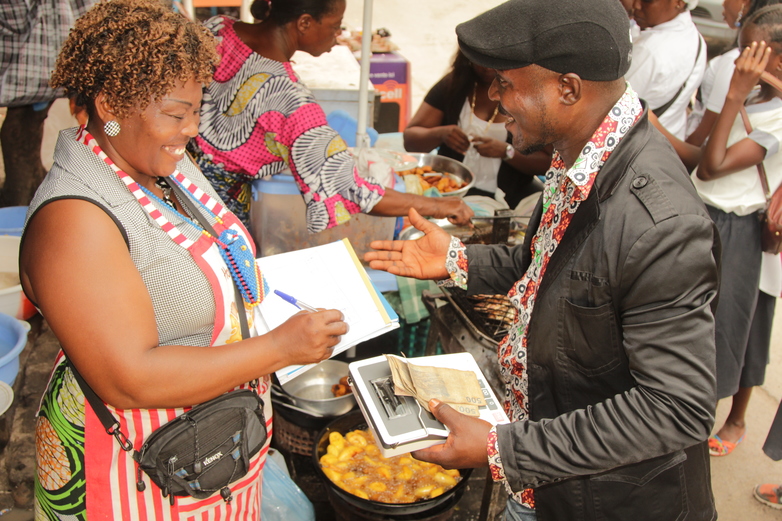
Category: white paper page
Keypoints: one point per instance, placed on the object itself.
(322, 277)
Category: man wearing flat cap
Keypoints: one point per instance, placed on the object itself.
(609, 366)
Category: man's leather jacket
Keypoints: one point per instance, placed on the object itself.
(621, 356)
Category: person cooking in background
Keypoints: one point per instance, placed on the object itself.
(458, 117)
(140, 297)
(669, 58)
(258, 119)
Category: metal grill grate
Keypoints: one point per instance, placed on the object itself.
(492, 315)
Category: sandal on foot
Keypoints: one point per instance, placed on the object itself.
(770, 494)
(720, 447)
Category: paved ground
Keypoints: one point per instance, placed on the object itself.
(734, 476)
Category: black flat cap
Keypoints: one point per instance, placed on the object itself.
(590, 38)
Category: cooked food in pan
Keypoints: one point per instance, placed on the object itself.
(354, 463)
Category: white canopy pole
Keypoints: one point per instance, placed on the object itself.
(362, 138)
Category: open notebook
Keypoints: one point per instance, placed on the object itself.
(331, 277)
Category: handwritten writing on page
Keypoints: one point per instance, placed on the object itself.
(329, 277)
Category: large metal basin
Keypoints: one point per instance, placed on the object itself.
(444, 164)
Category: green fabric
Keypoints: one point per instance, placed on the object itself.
(393, 299)
(410, 290)
(410, 338)
(62, 493)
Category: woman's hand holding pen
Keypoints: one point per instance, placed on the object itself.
(308, 337)
(422, 258)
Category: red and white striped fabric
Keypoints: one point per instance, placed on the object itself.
(111, 473)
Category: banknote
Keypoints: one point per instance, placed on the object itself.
(459, 389)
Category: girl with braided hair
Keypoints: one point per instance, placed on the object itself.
(728, 181)
(716, 79)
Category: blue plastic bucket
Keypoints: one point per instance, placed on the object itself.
(12, 220)
(13, 338)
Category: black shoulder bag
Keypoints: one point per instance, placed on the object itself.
(205, 449)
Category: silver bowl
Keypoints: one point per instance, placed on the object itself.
(311, 391)
(453, 167)
(460, 232)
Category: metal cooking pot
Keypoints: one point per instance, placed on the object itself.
(355, 420)
(443, 164)
(311, 391)
(460, 232)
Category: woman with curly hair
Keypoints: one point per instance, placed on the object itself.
(139, 294)
(259, 119)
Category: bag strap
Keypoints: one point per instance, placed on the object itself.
(109, 422)
(659, 111)
(761, 168)
(771, 80)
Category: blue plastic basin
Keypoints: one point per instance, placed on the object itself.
(12, 220)
(13, 338)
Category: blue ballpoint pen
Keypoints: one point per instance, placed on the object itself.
(296, 302)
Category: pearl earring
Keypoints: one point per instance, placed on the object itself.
(111, 128)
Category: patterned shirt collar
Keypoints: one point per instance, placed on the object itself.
(619, 120)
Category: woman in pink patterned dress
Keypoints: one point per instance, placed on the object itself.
(259, 119)
(139, 295)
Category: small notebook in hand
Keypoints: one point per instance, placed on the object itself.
(330, 277)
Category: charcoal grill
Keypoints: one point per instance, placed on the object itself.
(475, 324)
(492, 315)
